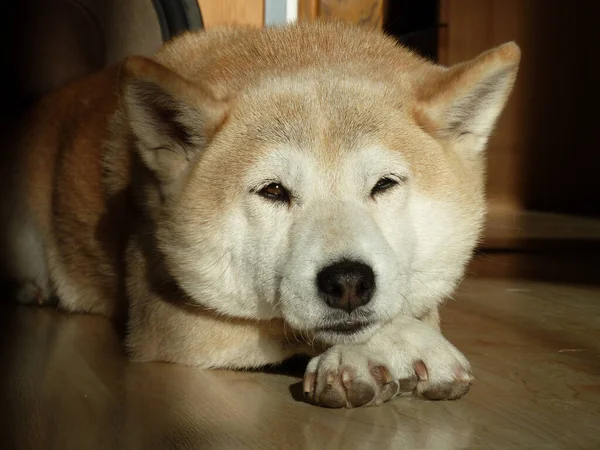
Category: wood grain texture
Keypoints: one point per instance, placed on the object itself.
(528, 323)
(543, 153)
(540, 231)
(308, 9)
(217, 13)
(361, 12)
(369, 13)
(443, 44)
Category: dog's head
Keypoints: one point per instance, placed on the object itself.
(321, 174)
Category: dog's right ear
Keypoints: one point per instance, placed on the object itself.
(171, 118)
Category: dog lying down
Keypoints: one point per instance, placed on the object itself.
(244, 186)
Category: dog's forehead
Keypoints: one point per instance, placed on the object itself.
(340, 121)
(321, 112)
(322, 122)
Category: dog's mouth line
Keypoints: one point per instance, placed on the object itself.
(345, 328)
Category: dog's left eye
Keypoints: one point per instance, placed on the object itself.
(275, 192)
(383, 185)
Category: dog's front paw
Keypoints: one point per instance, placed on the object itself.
(348, 376)
(436, 384)
(430, 367)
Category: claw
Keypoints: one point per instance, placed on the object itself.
(308, 385)
(421, 370)
(463, 375)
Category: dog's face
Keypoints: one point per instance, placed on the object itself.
(335, 202)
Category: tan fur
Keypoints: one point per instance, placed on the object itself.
(106, 212)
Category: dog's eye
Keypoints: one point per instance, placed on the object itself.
(275, 192)
(383, 185)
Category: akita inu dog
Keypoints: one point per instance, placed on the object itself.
(243, 186)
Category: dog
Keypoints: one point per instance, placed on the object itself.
(247, 195)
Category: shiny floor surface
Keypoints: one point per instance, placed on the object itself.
(530, 324)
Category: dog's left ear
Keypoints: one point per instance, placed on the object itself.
(463, 102)
(171, 118)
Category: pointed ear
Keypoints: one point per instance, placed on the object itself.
(171, 118)
(463, 102)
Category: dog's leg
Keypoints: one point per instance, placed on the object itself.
(406, 357)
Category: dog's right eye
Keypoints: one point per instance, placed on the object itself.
(275, 192)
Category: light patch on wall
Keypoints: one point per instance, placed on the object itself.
(279, 12)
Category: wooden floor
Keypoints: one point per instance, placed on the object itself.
(530, 324)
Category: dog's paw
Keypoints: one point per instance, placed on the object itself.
(436, 384)
(432, 368)
(29, 292)
(348, 376)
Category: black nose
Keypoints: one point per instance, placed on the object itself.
(346, 284)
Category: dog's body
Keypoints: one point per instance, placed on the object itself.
(245, 188)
